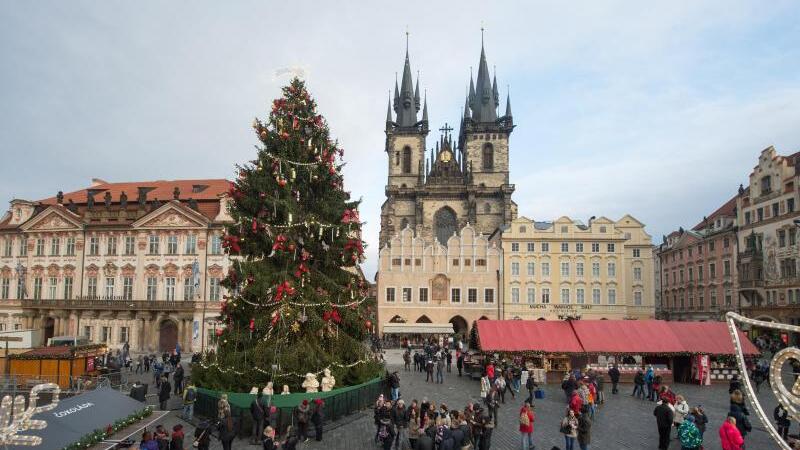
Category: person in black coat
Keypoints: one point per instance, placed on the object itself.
(460, 362)
(664, 416)
(178, 378)
(741, 419)
(424, 441)
(317, 417)
(257, 412)
(613, 374)
(735, 384)
(449, 357)
(782, 420)
(487, 429)
(164, 393)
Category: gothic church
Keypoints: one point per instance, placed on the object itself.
(459, 182)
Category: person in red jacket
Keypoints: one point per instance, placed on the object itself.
(575, 403)
(490, 372)
(729, 435)
(526, 419)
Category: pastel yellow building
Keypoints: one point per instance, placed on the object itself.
(565, 269)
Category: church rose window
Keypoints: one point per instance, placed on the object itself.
(445, 222)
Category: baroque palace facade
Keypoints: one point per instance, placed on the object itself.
(93, 263)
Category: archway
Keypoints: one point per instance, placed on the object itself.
(424, 319)
(49, 329)
(459, 325)
(541, 318)
(483, 318)
(167, 336)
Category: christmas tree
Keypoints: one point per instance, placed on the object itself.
(297, 304)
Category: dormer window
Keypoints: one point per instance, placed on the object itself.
(197, 188)
(766, 185)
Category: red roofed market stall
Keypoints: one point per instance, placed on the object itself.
(689, 350)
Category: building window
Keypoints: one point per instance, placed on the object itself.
(781, 238)
(216, 245)
(681, 275)
(406, 292)
(152, 288)
(564, 269)
(23, 246)
(579, 247)
(153, 245)
(515, 247)
(67, 288)
(580, 296)
(612, 296)
(188, 290)
(514, 269)
(789, 205)
(423, 295)
(792, 237)
(390, 295)
(531, 247)
(52, 287)
(728, 298)
(579, 269)
(55, 247)
(455, 262)
(747, 218)
(700, 273)
(596, 296)
(124, 332)
(5, 288)
(531, 269)
(105, 334)
(191, 244)
(637, 253)
(545, 295)
(455, 295)
(712, 271)
(445, 224)
(397, 262)
(172, 245)
(691, 300)
(546, 269)
(691, 274)
(545, 247)
(610, 248)
(711, 246)
(91, 287)
(564, 229)
(8, 247)
(70, 246)
(169, 289)
(766, 185)
(713, 297)
(130, 245)
(488, 157)
(127, 288)
(596, 270)
(565, 247)
(406, 159)
(111, 245)
(637, 273)
(775, 210)
(480, 262)
(637, 298)
(40, 247)
(700, 299)
(94, 246)
(531, 295)
(726, 268)
(595, 247)
(109, 288)
(515, 295)
(612, 270)
(418, 262)
(20, 288)
(564, 295)
(215, 289)
(488, 295)
(472, 295)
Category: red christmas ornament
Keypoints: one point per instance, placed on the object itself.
(252, 324)
(219, 332)
(368, 324)
(281, 182)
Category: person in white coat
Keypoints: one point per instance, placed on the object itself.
(681, 411)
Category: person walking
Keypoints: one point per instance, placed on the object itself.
(508, 375)
(317, 417)
(257, 413)
(164, 393)
(584, 429)
(599, 381)
(440, 369)
(729, 435)
(394, 384)
(492, 404)
(638, 385)
(688, 434)
(569, 428)
(569, 385)
(302, 415)
(227, 432)
(486, 386)
(429, 369)
(490, 371)
(613, 375)
(700, 419)
(664, 419)
(681, 411)
(742, 423)
(449, 357)
(530, 385)
(459, 362)
(782, 421)
(177, 377)
(407, 360)
(500, 385)
(400, 419)
(189, 397)
(526, 419)
(649, 377)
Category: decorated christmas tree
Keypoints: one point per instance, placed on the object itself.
(297, 304)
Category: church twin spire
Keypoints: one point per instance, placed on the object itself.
(406, 102)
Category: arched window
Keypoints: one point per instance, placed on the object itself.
(407, 159)
(445, 223)
(487, 208)
(488, 156)
(396, 158)
(403, 223)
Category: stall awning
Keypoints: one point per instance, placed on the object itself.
(627, 336)
(527, 335)
(418, 328)
(709, 338)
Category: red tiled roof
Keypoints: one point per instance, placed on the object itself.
(162, 190)
(725, 210)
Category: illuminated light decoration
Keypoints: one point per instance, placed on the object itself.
(216, 366)
(789, 399)
(15, 417)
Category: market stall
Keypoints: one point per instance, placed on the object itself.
(60, 365)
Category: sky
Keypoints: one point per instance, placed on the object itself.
(657, 109)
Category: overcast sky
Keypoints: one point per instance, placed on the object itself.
(657, 110)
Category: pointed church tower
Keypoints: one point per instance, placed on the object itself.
(405, 149)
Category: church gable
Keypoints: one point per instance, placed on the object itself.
(55, 219)
(172, 215)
